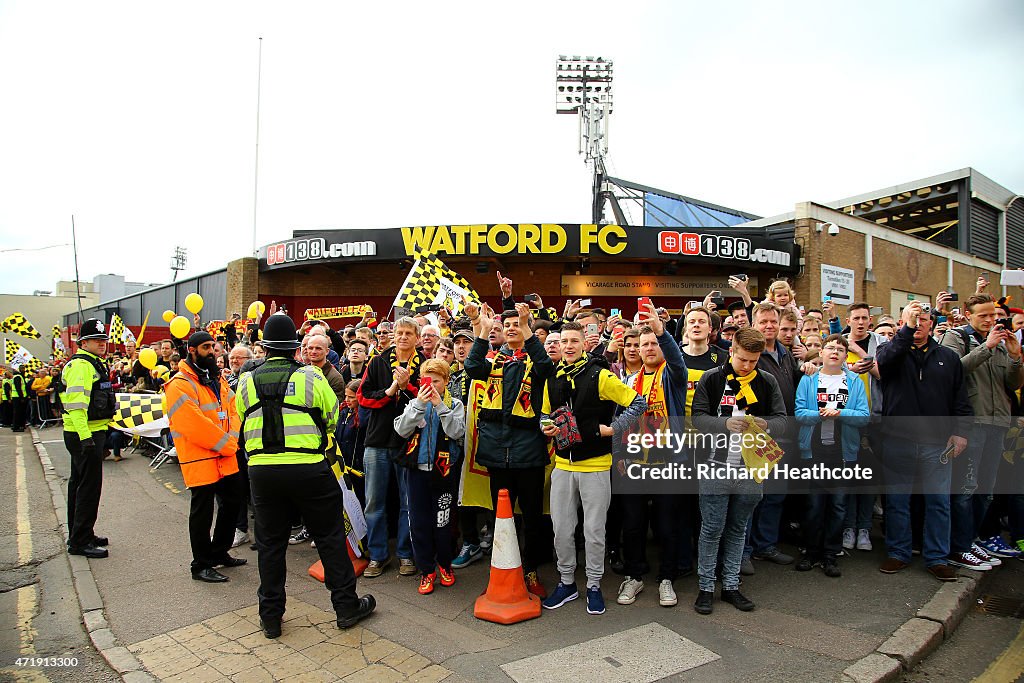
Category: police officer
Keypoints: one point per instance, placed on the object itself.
(89, 403)
(6, 406)
(19, 401)
(288, 472)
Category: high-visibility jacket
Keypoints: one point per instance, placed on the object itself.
(204, 427)
(6, 389)
(81, 380)
(287, 412)
(20, 388)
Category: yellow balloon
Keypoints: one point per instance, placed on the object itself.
(194, 303)
(180, 327)
(168, 315)
(253, 311)
(148, 358)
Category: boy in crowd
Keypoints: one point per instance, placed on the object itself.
(831, 407)
(433, 423)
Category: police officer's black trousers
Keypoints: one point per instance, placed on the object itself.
(279, 490)
(206, 552)
(18, 414)
(84, 488)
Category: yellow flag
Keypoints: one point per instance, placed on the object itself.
(760, 452)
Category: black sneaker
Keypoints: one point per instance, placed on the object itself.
(831, 568)
(737, 600)
(805, 564)
(705, 602)
(366, 605)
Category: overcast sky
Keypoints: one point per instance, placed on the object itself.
(139, 119)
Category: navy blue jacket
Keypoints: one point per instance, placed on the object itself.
(927, 383)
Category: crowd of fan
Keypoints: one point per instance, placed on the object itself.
(536, 395)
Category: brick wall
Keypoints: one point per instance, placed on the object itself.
(895, 267)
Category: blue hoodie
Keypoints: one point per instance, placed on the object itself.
(855, 415)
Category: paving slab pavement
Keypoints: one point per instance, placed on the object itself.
(807, 626)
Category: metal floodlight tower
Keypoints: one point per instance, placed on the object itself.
(583, 86)
(179, 261)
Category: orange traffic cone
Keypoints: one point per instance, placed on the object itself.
(358, 564)
(506, 601)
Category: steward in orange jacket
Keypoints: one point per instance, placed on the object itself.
(204, 426)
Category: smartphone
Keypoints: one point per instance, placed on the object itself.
(718, 301)
(876, 310)
(426, 382)
(942, 319)
(619, 333)
(740, 276)
(530, 297)
(643, 301)
(956, 311)
(585, 302)
(953, 296)
(617, 311)
(870, 359)
(546, 422)
(592, 328)
(826, 298)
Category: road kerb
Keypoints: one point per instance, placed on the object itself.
(118, 658)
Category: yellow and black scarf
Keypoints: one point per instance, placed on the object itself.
(571, 370)
(740, 387)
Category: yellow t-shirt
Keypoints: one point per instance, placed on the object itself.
(865, 377)
(609, 388)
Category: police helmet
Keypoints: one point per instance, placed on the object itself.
(279, 333)
(92, 329)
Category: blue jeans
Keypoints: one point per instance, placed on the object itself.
(725, 507)
(911, 466)
(765, 524)
(859, 509)
(379, 471)
(974, 478)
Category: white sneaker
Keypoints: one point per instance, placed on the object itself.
(969, 561)
(240, 538)
(848, 539)
(666, 595)
(985, 556)
(863, 540)
(628, 590)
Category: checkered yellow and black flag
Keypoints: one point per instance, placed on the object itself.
(17, 356)
(117, 328)
(60, 352)
(18, 324)
(430, 281)
(136, 410)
